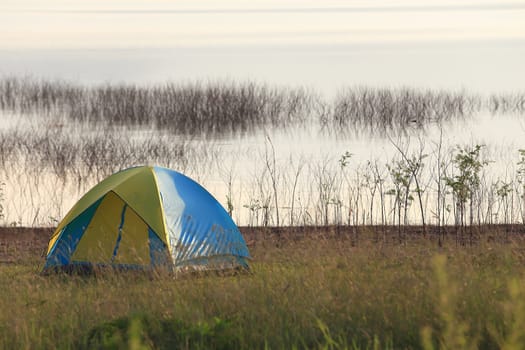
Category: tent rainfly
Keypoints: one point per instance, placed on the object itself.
(144, 218)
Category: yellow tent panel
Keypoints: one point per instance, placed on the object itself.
(99, 248)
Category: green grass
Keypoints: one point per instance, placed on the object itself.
(306, 294)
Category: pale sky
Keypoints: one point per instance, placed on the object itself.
(144, 24)
(478, 45)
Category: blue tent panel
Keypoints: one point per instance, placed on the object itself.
(158, 251)
(69, 237)
(198, 224)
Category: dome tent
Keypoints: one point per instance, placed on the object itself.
(143, 218)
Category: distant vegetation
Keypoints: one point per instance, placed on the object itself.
(222, 108)
(191, 109)
(394, 109)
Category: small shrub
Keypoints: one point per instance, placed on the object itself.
(146, 331)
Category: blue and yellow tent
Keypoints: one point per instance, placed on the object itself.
(147, 217)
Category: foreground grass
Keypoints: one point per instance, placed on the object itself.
(307, 294)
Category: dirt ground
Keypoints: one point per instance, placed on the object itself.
(19, 243)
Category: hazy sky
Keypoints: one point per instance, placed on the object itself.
(332, 42)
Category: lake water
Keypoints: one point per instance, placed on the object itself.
(473, 46)
(307, 171)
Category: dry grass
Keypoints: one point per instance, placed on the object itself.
(311, 293)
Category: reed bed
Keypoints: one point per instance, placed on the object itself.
(396, 109)
(218, 108)
(79, 157)
(43, 172)
(226, 108)
(506, 103)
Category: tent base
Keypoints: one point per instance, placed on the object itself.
(94, 269)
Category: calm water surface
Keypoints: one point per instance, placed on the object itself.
(478, 46)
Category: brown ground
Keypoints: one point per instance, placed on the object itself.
(17, 243)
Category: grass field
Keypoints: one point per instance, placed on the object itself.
(318, 290)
